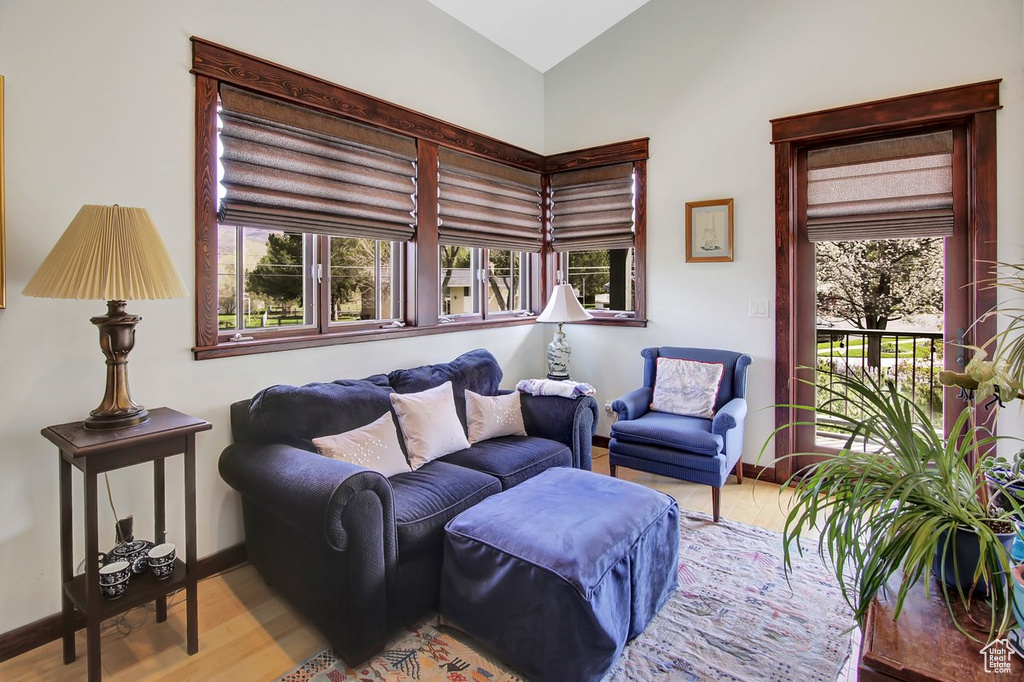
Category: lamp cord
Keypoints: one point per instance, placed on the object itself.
(110, 497)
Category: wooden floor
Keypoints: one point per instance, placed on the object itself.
(247, 633)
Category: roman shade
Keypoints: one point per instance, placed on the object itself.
(291, 168)
(487, 205)
(592, 209)
(884, 189)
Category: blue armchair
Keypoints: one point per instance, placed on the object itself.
(688, 448)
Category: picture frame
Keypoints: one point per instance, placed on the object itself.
(709, 233)
(3, 236)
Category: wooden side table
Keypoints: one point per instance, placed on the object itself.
(166, 433)
(924, 645)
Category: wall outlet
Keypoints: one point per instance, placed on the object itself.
(608, 406)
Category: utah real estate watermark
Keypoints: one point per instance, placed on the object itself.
(997, 656)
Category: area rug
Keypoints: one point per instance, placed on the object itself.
(734, 617)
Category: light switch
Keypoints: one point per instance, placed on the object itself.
(758, 309)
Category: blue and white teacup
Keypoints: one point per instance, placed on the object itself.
(115, 572)
(115, 590)
(161, 560)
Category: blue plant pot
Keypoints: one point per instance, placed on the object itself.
(1018, 594)
(1017, 550)
(956, 565)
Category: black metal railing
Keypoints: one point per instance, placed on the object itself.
(909, 359)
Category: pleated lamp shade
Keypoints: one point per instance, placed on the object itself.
(108, 253)
(563, 306)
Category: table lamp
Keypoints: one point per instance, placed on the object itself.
(112, 254)
(563, 306)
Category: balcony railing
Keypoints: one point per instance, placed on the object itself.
(909, 359)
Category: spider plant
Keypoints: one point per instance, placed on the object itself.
(1010, 278)
(893, 497)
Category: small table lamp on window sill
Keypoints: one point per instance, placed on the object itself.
(112, 254)
(562, 307)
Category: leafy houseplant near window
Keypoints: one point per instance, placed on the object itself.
(897, 503)
(902, 501)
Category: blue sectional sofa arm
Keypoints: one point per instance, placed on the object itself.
(306, 491)
(572, 422)
(323, 533)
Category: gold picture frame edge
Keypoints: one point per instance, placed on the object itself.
(690, 205)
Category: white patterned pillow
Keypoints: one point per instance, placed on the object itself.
(492, 416)
(687, 387)
(429, 423)
(374, 446)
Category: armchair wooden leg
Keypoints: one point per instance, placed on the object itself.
(611, 469)
(716, 501)
(739, 472)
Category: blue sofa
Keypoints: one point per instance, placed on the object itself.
(357, 553)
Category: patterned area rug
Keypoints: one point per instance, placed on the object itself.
(734, 617)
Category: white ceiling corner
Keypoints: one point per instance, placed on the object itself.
(540, 32)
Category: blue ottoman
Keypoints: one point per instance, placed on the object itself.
(556, 574)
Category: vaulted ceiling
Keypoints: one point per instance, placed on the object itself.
(540, 32)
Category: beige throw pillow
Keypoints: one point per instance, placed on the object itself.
(430, 424)
(492, 416)
(687, 387)
(374, 446)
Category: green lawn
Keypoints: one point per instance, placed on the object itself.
(856, 347)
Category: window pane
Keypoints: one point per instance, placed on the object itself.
(456, 285)
(363, 276)
(277, 281)
(228, 307)
(505, 280)
(603, 279)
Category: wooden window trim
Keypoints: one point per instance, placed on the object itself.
(213, 64)
(972, 106)
(631, 151)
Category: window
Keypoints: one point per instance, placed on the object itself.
(264, 282)
(316, 218)
(469, 276)
(341, 196)
(507, 280)
(457, 270)
(602, 279)
(963, 218)
(365, 280)
(490, 229)
(593, 229)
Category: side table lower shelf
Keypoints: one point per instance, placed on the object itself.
(142, 588)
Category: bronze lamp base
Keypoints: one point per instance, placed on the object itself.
(117, 338)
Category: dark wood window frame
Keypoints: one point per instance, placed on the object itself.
(970, 108)
(214, 64)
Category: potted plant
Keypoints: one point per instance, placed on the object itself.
(1005, 479)
(900, 499)
(909, 500)
(1006, 482)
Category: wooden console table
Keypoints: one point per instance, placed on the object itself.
(94, 452)
(924, 645)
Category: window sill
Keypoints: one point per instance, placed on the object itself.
(610, 321)
(230, 349)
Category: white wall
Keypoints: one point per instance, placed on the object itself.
(702, 80)
(100, 110)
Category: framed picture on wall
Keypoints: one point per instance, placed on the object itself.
(709, 231)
